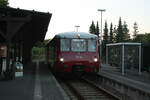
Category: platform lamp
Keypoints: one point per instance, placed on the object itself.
(77, 27)
(100, 39)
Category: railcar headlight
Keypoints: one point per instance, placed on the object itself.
(95, 59)
(61, 59)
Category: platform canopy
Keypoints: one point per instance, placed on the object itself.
(23, 28)
(23, 25)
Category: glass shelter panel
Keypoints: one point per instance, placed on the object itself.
(126, 57)
(131, 57)
(114, 56)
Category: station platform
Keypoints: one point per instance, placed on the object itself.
(130, 78)
(37, 83)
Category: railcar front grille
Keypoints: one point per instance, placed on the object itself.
(78, 68)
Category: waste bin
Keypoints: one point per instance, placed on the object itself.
(18, 69)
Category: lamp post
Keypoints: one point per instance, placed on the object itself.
(101, 10)
(77, 27)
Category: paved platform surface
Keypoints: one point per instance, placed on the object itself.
(37, 83)
(130, 78)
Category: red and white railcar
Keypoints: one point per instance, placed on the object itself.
(74, 52)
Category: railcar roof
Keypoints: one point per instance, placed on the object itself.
(75, 35)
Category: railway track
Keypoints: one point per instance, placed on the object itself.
(81, 89)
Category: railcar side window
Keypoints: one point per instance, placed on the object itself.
(78, 45)
(65, 45)
(92, 45)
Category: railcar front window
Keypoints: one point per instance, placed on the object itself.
(78, 45)
(65, 45)
(92, 45)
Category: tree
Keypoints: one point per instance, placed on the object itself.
(92, 28)
(119, 35)
(135, 32)
(4, 3)
(105, 41)
(105, 36)
(143, 38)
(115, 33)
(147, 37)
(111, 37)
(126, 36)
(139, 38)
(97, 29)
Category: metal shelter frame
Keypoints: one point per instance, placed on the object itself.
(123, 54)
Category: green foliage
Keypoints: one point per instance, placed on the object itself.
(105, 40)
(147, 37)
(143, 38)
(38, 52)
(114, 34)
(97, 29)
(119, 35)
(4, 3)
(39, 49)
(122, 32)
(111, 37)
(105, 36)
(139, 38)
(135, 32)
(126, 36)
(92, 28)
(42, 44)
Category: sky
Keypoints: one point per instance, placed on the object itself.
(66, 14)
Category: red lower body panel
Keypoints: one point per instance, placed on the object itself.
(76, 67)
